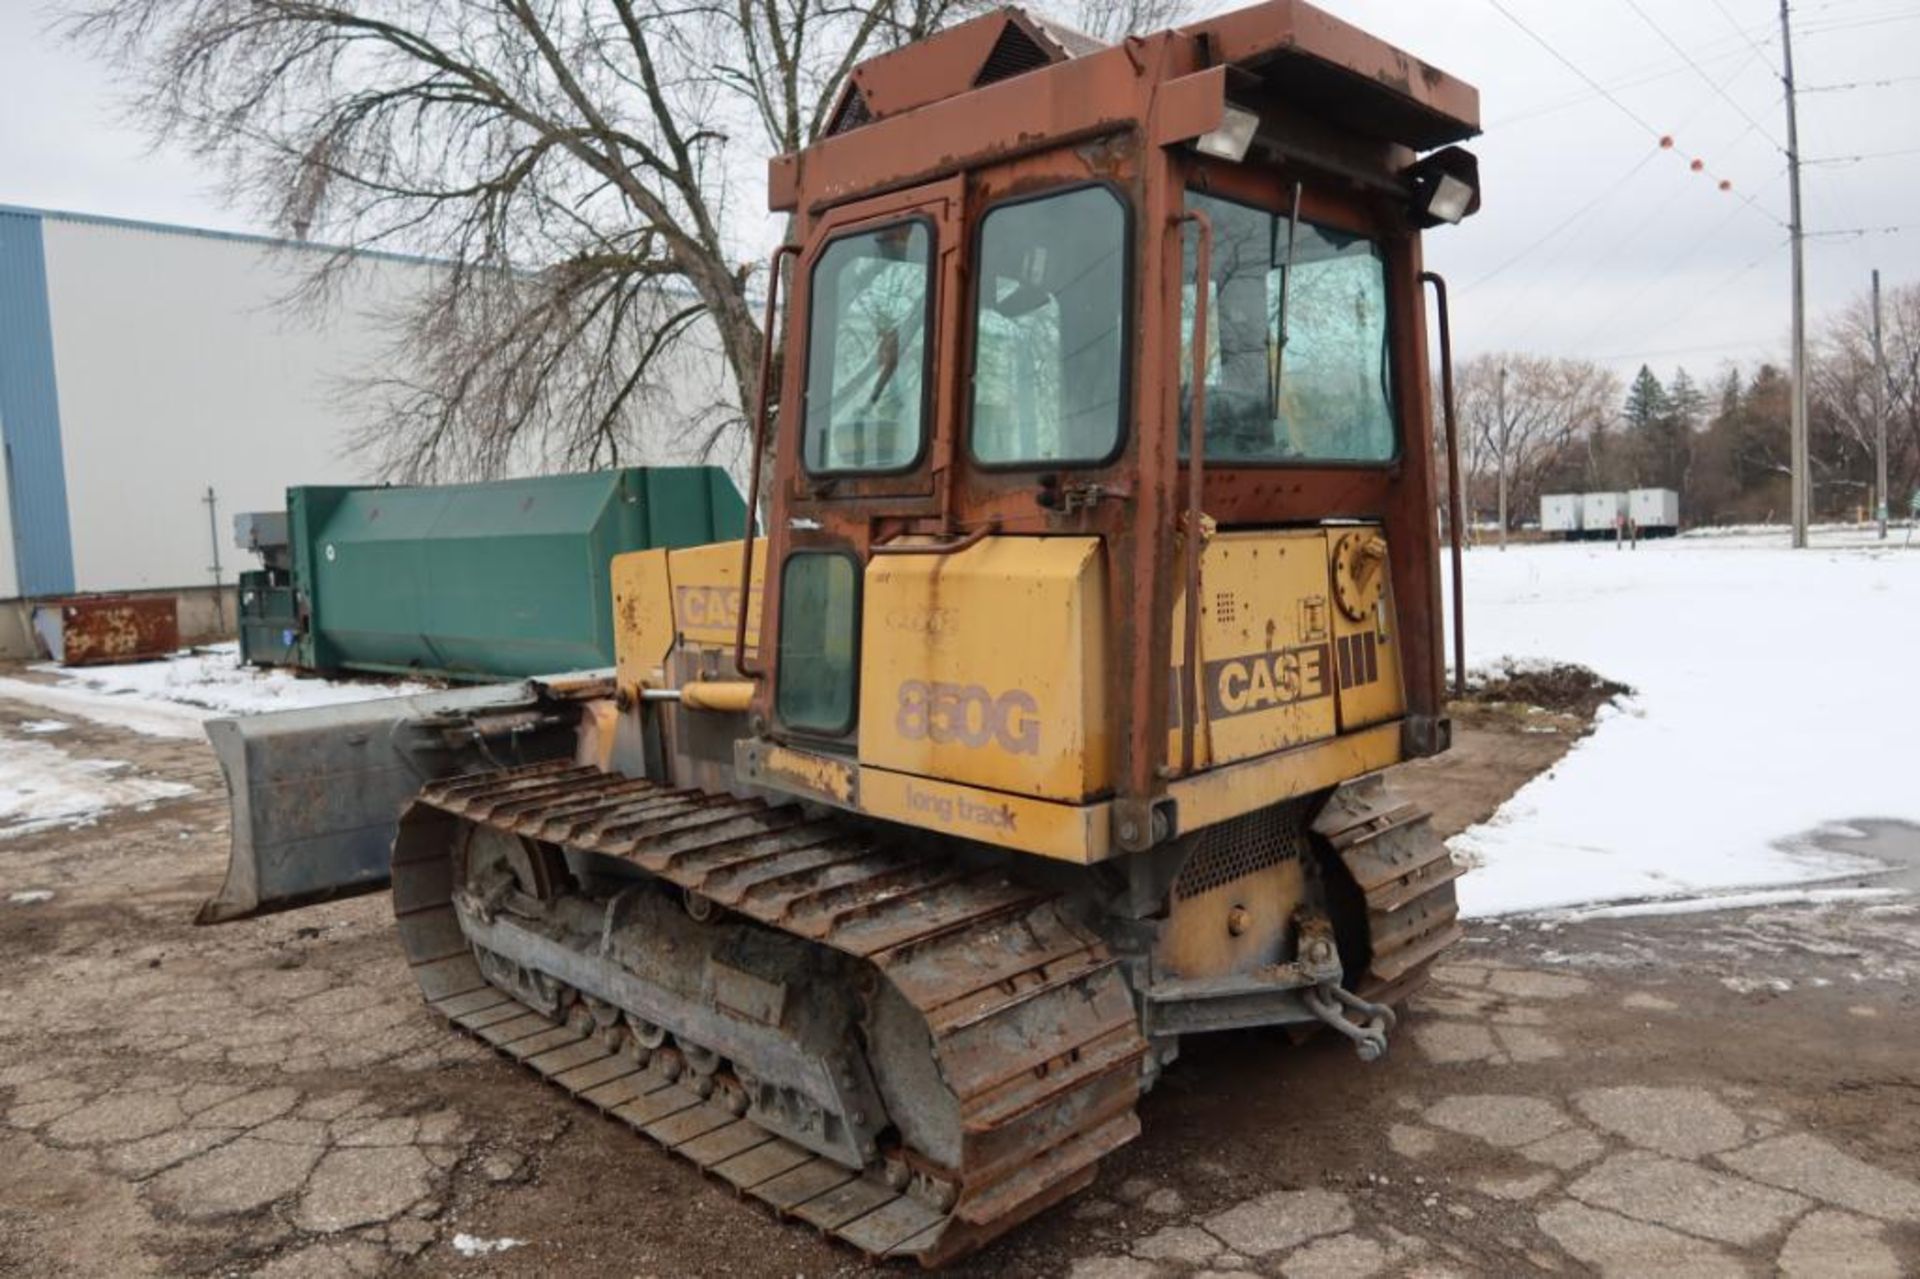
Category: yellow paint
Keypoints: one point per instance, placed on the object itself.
(706, 592)
(1229, 791)
(642, 618)
(1065, 832)
(690, 596)
(1369, 642)
(729, 696)
(983, 685)
(1198, 940)
(988, 667)
(599, 725)
(1265, 683)
(822, 776)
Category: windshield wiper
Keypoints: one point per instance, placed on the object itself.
(1286, 288)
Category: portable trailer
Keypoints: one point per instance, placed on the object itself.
(1654, 512)
(1560, 513)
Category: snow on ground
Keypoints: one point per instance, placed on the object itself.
(175, 696)
(41, 786)
(1900, 534)
(1777, 692)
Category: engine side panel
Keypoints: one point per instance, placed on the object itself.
(988, 667)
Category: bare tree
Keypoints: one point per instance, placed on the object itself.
(1113, 20)
(1841, 394)
(574, 163)
(1520, 415)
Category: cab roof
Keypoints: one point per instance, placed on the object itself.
(1299, 55)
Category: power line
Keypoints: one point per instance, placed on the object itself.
(1858, 231)
(1666, 140)
(1858, 24)
(1566, 62)
(1634, 80)
(1701, 72)
(1750, 344)
(1859, 84)
(1605, 192)
(1865, 155)
(1666, 270)
(1742, 31)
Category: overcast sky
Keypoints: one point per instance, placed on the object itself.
(1593, 240)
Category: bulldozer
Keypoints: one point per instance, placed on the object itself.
(1041, 723)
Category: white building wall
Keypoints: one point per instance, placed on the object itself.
(179, 368)
(178, 372)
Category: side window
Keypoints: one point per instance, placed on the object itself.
(867, 351)
(1048, 330)
(819, 631)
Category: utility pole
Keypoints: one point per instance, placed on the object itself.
(213, 530)
(1802, 482)
(1879, 415)
(1500, 412)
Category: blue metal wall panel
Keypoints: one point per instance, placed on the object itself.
(36, 472)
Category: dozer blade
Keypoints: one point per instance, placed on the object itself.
(316, 793)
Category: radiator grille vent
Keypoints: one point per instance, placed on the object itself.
(1014, 53)
(1240, 847)
(852, 114)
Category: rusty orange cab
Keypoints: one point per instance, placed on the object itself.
(990, 549)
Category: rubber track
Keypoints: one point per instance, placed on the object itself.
(1033, 1027)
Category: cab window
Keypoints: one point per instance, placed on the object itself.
(1049, 330)
(1329, 396)
(866, 398)
(819, 609)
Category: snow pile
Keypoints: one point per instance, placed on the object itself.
(473, 1246)
(175, 696)
(41, 787)
(1776, 695)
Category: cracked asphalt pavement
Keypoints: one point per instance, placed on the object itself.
(1734, 1093)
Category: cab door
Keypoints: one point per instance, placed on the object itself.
(866, 423)
(876, 283)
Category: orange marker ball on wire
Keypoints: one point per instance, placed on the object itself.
(1698, 166)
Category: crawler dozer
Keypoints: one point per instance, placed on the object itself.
(1041, 725)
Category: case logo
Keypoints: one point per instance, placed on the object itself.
(1263, 681)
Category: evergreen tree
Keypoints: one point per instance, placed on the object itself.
(1646, 401)
(1686, 401)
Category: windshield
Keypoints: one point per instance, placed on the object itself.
(866, 353)
(1328, 396)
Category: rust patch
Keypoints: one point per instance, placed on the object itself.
(91, 630)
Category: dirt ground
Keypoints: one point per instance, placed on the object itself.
(1730, 1093)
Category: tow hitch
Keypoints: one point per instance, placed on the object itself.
(1331, 1002)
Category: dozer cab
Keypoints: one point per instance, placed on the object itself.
(1042, 725)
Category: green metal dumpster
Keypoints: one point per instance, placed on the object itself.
(485, 581)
